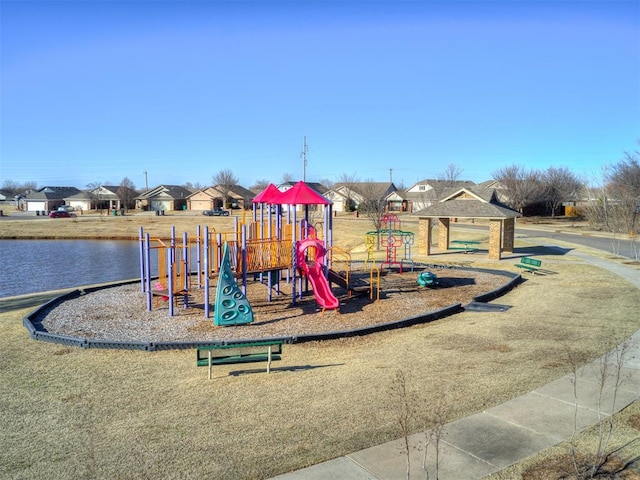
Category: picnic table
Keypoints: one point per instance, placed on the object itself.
(468, 246)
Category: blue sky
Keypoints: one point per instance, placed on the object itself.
(94, 91)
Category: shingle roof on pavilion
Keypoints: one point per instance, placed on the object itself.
(469, 203)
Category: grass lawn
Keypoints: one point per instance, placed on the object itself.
(76, 413)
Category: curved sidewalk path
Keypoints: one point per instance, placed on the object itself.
(490, 441)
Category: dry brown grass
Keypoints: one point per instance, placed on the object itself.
(74, 413)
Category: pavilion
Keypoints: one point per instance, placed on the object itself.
(469, 203)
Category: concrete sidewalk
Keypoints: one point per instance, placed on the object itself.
(487, 442)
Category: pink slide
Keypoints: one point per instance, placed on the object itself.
(313, 271)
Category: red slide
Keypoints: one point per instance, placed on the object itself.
(313, 271)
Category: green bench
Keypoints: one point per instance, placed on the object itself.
(529, 264)
(467, 246)
(210, 355)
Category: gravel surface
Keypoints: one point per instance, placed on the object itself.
(119, 313)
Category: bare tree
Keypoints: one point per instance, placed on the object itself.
(193, 186)
(326, 182)
(373, 203)
(604, 212)
(405, 411)
(624, 183)
(446, 180)
(260, 185)
(608, 377)
(616, 206)
(349, 182)
(16, 188)
(625, 174)
(452, 173)
(29, 186)
(287, 177)
(94, 190)
(224, 181)
(559, 185)
(11, 187)
(126, 193)
(521, 186)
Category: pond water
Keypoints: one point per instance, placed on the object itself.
(30, 266)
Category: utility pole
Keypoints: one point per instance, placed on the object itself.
(146, 184)
(304, 160)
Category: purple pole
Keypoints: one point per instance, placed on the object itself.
(142, 267)
(170, 282)
(207, 273)
(147, 270)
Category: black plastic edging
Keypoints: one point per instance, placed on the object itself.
(34, 325)
(498, 292)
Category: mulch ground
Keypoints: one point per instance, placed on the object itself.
(120, 313)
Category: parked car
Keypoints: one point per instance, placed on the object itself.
(65, 208)
(59, 214)
(216, 212)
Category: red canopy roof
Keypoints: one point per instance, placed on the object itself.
(301, 194)
(268, 195)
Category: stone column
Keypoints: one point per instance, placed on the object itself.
(443, 234)
(424, 236)
(495, 239)
(508, 235)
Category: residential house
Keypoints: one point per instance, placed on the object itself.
(347, 197)
(427, 192)
(80, 201)
(164, 197)
(48, 198)
(342, 198)
(214, 197)
(104, 197)
(237, 196)
(204, 199)
(398, 201)
(501, 192)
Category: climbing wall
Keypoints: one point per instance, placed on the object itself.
(232, 306)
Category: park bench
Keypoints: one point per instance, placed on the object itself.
(467, 246)
(529, 264)
(265, 351)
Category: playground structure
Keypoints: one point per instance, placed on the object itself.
(392, 237)
(274, 245)
(313, 267)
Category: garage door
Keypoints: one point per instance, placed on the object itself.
(35, 206)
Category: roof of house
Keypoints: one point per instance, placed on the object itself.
(166, 191)
(83, 195)
(216, 191)
(318, 187)
(239, 191)
(361, 189)
(52, 193)
(447, 183)
(469, 203)
(417, 196)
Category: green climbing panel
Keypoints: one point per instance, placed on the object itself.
(232, 306)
